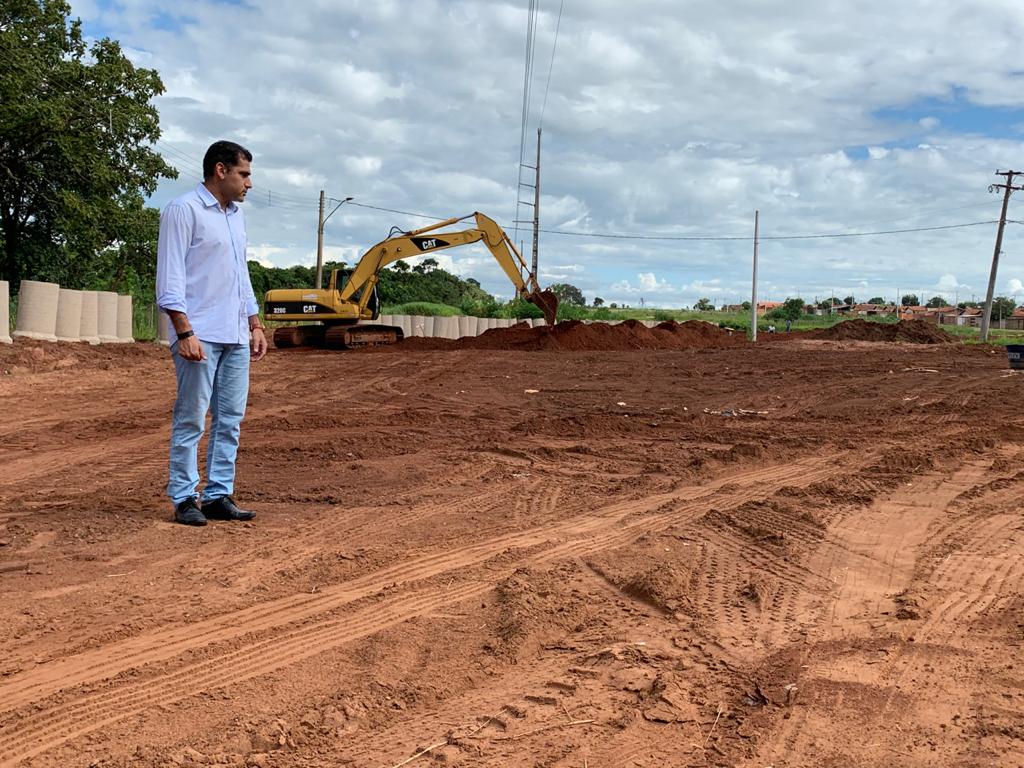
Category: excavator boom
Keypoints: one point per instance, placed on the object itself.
(428, 239)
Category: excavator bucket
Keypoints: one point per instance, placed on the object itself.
(547, 301)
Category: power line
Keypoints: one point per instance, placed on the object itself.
(705, 238)
(551, 66)
(531, 44)
(762, 237)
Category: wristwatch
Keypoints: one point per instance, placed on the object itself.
(185, 334)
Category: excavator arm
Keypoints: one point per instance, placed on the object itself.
(426, 240)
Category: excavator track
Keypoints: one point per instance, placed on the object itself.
(356, 336)
(299, 336)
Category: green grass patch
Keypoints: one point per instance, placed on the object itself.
(422, 308)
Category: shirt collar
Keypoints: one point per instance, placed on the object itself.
(210, 201)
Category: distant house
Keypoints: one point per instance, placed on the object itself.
(945, 315)
(970, 316)
(764, 307)
(733, 308)
(866, 310)
(911, 312)
(1014, 322)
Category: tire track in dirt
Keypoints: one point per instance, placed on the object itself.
(986, 568)
(869, 554)
(168, 643)
(49, 727)
(165, 644)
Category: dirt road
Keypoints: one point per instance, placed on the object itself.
(807, 553)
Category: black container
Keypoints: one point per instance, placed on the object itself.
(1015, 354)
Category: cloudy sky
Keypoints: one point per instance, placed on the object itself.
(664, 121)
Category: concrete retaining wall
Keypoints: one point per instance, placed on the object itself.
(124, 319)
(163, 328)
(69, 315)
(107, 316)
(5, 312)
(89, 324)
(451, 327)
(37, 310)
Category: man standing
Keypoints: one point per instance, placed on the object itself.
(202, 283)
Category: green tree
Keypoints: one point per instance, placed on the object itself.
(1002, 307)
(937, 301)
(746, 306)
(909, 300)
(704, 305)
(791, 309)
(426, 266)
(876, 300)
(598, 302)
(849, 301)
(76, 127)
(568, 294)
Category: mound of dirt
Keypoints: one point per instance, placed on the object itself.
(911, 331)
(576, 336)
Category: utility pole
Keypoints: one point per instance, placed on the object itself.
(1007, 188)
(753, 288)
(320, 237)
(536, 205)
(320, 245)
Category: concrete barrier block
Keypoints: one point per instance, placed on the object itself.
(537, 322)
(37, 310)
(451, 328)
(124, 320)
(418, 323)
(5, 312)
(89, 325)
(107, 317)
(467, 326)
(428, 326)
(164, 328)
(69, 315)
(404, 322)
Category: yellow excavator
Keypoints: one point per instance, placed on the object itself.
(340, 312)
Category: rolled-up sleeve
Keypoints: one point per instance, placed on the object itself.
(172, 247)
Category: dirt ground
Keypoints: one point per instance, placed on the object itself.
(808, 552)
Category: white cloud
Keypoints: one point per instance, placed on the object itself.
(656, 125)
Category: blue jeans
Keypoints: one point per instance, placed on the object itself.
(219, 384)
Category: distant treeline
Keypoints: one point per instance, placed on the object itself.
(399, 284)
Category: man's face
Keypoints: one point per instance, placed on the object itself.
(235, 180)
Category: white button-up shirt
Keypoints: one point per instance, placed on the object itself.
(201, 268)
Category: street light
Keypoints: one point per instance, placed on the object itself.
(320, 237)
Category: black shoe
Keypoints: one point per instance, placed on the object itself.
(225, 508)
(188, 513)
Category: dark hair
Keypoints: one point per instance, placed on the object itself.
(226, 152)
